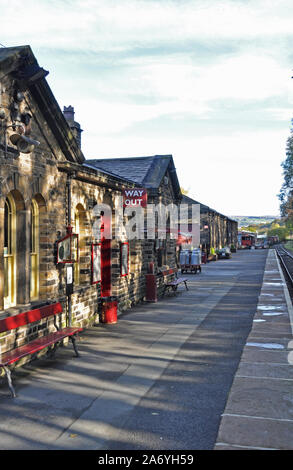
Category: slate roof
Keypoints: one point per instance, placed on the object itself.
(189, 200)
(133, 169)
(147, 172)
(203, 208)
(107, 172)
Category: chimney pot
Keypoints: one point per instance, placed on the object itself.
(68, 112)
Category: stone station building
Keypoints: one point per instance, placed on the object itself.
(49, 195)
(53, 199)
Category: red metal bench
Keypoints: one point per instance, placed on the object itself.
(174, 284)
(26, 318)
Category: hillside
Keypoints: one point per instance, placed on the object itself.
(245, 221)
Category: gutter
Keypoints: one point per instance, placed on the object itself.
(89, 175)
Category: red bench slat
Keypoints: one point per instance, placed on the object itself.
(15, 321)
(36, 345)
(25, 318)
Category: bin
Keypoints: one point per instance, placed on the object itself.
(109, 309)
(151, 288)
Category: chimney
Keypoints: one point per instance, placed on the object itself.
(68, 112)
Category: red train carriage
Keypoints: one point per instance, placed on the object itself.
(246, 239)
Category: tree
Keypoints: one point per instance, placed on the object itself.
(282, 233)
(289, 227)
(275, 225)
(250, 228)
(286, 192)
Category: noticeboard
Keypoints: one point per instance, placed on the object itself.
(67, 249)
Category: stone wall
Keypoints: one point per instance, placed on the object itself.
(45, 175)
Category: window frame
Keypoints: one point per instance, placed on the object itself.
(9, 300)
(35, 251)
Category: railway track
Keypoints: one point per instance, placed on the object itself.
(286, 260)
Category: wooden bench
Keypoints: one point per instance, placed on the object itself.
(27, 318)
(174, 284)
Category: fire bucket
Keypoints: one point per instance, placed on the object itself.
(109, 310)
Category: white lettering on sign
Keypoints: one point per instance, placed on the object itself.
(135, 197)
(133, 202)
(134, 193)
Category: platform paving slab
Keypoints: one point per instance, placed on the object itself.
(254, 433)
(79, 403)
(259, 409)
(192, 341)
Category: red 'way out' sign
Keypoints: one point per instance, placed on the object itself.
(134, 197)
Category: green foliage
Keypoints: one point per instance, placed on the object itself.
(261, 229)
(289, 225)
(289, 245)
(286, 192)
(251, 228)
(282, 232)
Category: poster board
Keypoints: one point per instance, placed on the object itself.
(67, 249)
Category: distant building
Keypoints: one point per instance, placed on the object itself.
(216, 229)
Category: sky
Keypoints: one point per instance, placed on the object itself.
(208, 81)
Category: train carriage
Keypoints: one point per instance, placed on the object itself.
(246, 239)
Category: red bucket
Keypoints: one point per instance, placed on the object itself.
(109, 310)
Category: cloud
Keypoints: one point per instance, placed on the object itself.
(206, 80)
(172, 90)
(234, 174)
(95, 25)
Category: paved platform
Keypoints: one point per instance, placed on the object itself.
(259, 410)
(160, 378)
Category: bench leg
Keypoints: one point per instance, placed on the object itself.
(74, 346)
(51, 351)
(174, 289)
(186, 285)
(8, 375)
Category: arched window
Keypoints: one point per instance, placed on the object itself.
(80, 226)
(34, 250)
(9, 252)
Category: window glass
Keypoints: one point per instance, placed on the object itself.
(9, 253)
(34, 251)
